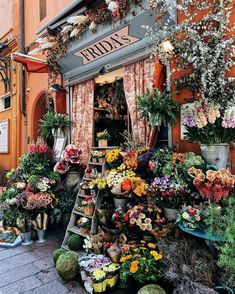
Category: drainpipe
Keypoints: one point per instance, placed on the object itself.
(23, 86)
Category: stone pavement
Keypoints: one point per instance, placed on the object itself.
(30, 270)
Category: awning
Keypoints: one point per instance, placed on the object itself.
(31, 64)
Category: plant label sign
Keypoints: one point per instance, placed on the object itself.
(107, 45)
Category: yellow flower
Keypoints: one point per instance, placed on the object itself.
(156, 255)
(146, 270)
(143, 258)
(123, 259)
(142, 242)
(151, 245)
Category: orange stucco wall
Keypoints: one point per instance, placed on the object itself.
(38, 83)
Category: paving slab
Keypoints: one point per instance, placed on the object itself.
(18, 274)
(18, 260)
(13, 251)
(22, 286)
(44, 263)
(54, 287)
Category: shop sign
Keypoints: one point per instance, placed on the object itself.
(107, 45)
(4, 136)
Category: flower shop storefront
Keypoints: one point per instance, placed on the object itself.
(104, 75)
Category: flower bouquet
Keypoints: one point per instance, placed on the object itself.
(142, 262)
(167, 192)
(99, 280)
(71, 156)
(84, 225)
(88, 203)
(114, 158)
(111, 274)
(213, 185)
(103, 138)
(191, 216)
(98, 156)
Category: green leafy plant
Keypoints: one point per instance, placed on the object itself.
(158, 108)
(53, 124)
(221, 220)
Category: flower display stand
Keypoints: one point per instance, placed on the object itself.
(72, 228)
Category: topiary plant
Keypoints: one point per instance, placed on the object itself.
(153, 289)
(75, 242)
(67, 265)
(56, 254)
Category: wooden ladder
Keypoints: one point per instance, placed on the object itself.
(72, 228)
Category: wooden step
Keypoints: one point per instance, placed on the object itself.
(76, 230)
(82, 214)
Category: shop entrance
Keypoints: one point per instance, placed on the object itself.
(110, 107)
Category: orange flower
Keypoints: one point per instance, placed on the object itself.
(133, 269)
(201, 177)
(126, 185)
(135, 263)
(151, 245)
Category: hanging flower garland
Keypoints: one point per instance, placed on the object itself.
(56, 46)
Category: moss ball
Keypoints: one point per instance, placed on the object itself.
(56, 254)
(75, 242)
(67, 265)
(153, 289)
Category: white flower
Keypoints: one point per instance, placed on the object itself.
(77, 19)
(92, 26)
(186, 216)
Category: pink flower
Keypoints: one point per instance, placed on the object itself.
(71, 153)
(151, 165)
(61, 167)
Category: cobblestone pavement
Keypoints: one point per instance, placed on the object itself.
(30, 270)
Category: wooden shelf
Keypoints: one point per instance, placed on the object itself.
(109, 147)
(95, 163)
(77, 231)
(84, 196)
(87, 179)
(98, 109)
(82, 214)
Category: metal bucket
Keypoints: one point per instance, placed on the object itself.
(216, 154)
(41, 236)
(170, 213)
(120, 202)
(26, 238)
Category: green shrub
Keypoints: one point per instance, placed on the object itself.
(151, 289)
(74, 242)
(67, 265)
(56, 254)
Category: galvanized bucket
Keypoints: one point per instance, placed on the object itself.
(216, 154)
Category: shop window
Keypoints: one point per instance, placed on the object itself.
(42, 9)
(110, 107)
(162, 138)
(5, 102)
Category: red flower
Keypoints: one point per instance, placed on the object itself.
(126, 218)
(61, 167)
(118, 225)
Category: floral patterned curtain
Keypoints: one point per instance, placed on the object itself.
(82, 116)
(137, 78)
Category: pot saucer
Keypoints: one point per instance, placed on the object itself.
(27, 243)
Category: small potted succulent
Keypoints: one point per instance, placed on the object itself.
(102, 138)
(84, 225)
(89, 204)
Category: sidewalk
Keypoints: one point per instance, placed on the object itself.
(30, 270)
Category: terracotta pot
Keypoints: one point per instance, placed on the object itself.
(84, 230)
(89, 210)
(101, 160)
(94, 159)
(103, 143)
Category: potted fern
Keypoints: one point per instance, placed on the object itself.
(159, 109)
(54, 125)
